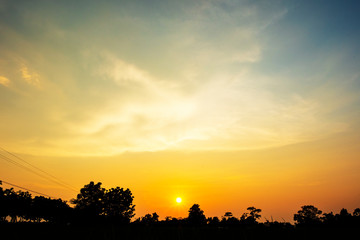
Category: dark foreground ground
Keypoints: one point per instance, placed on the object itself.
(163, 232)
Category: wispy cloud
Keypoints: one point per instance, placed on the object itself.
(31, 77)
(4, 81)
(145, 113)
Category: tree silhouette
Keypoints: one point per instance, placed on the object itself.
(23, 205)
(251, 217)
(149, 218)
(214, 221)
(3, 209)
(344, 217)
(50, 210)
(95, 203)
(228, 215)
(308, 215)
(329, 218)
(20, 206)
(118, 204)
(90, 201)
(12, 205)
(196, 215)
(356, 212)
(104, 207)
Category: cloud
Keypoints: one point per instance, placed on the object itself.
(30, 77)
(145, 113)
(4, 81)
(189, 77)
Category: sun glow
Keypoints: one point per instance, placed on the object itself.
(178, 200)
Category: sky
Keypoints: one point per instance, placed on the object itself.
(226, 103)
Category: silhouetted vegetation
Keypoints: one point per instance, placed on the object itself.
(95, 203)
(20, 206)
(100, 213)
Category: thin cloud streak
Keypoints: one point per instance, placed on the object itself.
(4, 81)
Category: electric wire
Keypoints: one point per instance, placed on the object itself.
(32, 171)
(44, 174)
(29, 190)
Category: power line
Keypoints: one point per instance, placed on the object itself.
(21, 166)
(47, 175)
(43, 194)
(32, 171)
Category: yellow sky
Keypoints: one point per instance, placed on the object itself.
(277, 180)
(226, 104)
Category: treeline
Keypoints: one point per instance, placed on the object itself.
(20, 206)
(95, 204)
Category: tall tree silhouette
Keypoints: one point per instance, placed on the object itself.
(118, 204)
(90, 201)
(196, 215)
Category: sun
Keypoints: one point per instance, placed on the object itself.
(178, 200)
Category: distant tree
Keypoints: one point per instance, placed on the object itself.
(229, 219)
(344, 217)
(356, 212)
(10, 204)
(23, 205)
(196, 215)
(250, 217)
(3, 209)
(90, 201)
(356, 216)
(20, 206)
(118, 204)
(344, 212)
(214, 221)
(155, 217)
(328, 218)
(228, 215)
(95, 202)
(150, 218)
(254, 214)
(308, 215)
(39, 209)
(15, 205)
(50, 210)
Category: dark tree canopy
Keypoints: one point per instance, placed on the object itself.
(308, 215)
(196, 215)
(118, 204)
(149, 218)
(96, 202)
(228, 215)
(20, 206)
(90, 200)
(251, 217)
(356, 212)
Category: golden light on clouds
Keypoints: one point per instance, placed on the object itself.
(30, 77)
(4, 81)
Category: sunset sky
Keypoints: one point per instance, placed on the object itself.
(227, 104)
